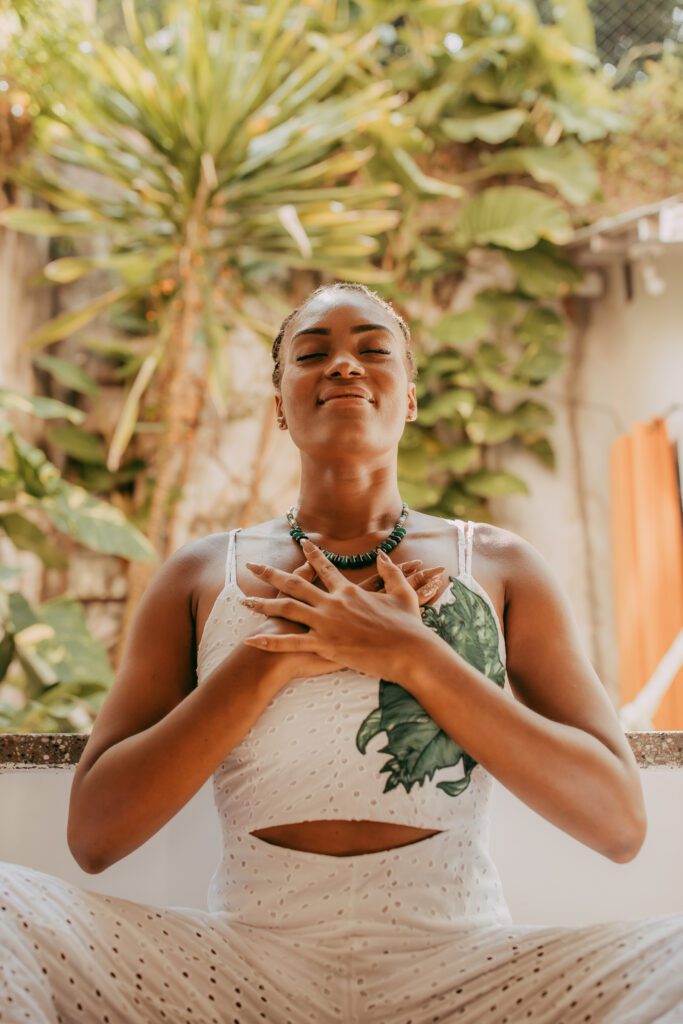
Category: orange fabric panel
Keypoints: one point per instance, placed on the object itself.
(647, 550)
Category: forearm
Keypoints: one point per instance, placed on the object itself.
(562, 772)
(141, 782)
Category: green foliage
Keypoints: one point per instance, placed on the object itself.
(245, 163)
(383, 142)
(57, 671)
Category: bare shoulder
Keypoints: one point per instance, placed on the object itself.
(548, 661)
(514, 557)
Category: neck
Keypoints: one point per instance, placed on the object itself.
(341, 506)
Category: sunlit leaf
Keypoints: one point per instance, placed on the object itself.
(68, 374)
(514, 217)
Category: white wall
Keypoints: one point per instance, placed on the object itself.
(548, 877)
(628, 358)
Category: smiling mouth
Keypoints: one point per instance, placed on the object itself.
(342, 397)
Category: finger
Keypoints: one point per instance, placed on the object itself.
(326, 570)
(282, 608)
(375, 582)
(427, 592)
(308, 642)
(423, 576)
(306, 570)
(290, 582)
(394, 580)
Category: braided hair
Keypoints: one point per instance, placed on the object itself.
(343, 286)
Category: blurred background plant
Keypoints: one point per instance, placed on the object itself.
(54, 673)
(442, 153)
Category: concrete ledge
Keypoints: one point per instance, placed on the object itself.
(63, 749)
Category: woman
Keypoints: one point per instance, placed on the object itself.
(353, 718)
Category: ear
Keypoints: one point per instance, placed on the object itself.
(412, 402)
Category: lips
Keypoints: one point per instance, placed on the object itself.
(345, 394)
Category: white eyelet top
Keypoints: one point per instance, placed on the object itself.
(350, 746)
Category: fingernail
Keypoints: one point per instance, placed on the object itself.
(254, 566)
(434, 572)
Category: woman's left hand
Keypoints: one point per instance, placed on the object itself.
(364, 630)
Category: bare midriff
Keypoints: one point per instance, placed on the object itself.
(342, 838)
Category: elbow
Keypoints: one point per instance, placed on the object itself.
(87, 859)
(629, 847)
(626, 853)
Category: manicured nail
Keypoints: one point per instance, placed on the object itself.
(255, 567)
(434, 572)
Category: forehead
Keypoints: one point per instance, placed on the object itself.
(340, 310)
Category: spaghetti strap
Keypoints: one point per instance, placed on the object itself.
(465, 536)
(469, 537)
(230, 558)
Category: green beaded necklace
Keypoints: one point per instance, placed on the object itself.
(354, 561)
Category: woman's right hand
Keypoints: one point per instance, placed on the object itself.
(427, 583)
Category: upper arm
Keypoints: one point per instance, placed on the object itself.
(547, 664)
(158, 666)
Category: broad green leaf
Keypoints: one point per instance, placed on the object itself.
(513, 217)
(97, 525)
(540, 323)
(543, 272)
(576, 20)
(37, 476)
(413, 466)
(78, 443)
(490, 484)
(417, 495)
(27, 536)
(587, 123)
(567, 167)
(530, 415)
(487, 426)
(460, 458)
(444, 406)
(489, 125)
(538, 362)
(72, 652)
(459, 329)
(542, 449)
(68, 374)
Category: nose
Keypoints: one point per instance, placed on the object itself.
(345, 364)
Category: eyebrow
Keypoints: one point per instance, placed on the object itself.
(356, 329)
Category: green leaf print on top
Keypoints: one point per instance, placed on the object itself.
(416, 743)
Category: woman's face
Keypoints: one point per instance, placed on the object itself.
(341, 343)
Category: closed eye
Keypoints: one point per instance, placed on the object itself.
(313, 355)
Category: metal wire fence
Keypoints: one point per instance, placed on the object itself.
(621, 25)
